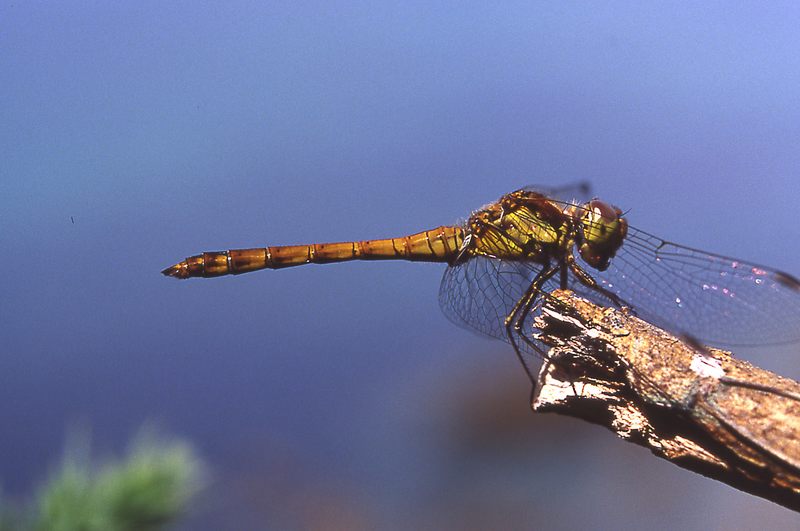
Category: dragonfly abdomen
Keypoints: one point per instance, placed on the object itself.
(437, 245)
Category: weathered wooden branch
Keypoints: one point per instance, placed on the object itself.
(700, 408)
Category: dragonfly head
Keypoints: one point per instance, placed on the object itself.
(601, 230)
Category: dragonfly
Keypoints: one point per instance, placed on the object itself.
(508, 255)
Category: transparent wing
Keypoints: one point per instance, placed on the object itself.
(719, 300)
(568, 193)
(480, 293)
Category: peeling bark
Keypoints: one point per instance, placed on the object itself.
(698, 407)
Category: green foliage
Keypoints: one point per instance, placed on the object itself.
(8, 517)
(146, 491)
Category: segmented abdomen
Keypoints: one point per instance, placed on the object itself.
(441, 244)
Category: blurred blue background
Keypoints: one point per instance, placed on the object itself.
(339, 396)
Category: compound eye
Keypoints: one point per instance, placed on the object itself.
(602, 209)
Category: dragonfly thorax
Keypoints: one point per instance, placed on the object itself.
(521, 226)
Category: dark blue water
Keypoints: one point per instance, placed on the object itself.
(340, 394)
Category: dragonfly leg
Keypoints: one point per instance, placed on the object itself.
(587, 280)
(547, 358)
(524, 314)
(515, 320)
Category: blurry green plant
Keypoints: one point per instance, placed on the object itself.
(146, 491)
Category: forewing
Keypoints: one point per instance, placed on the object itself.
(719, 300)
